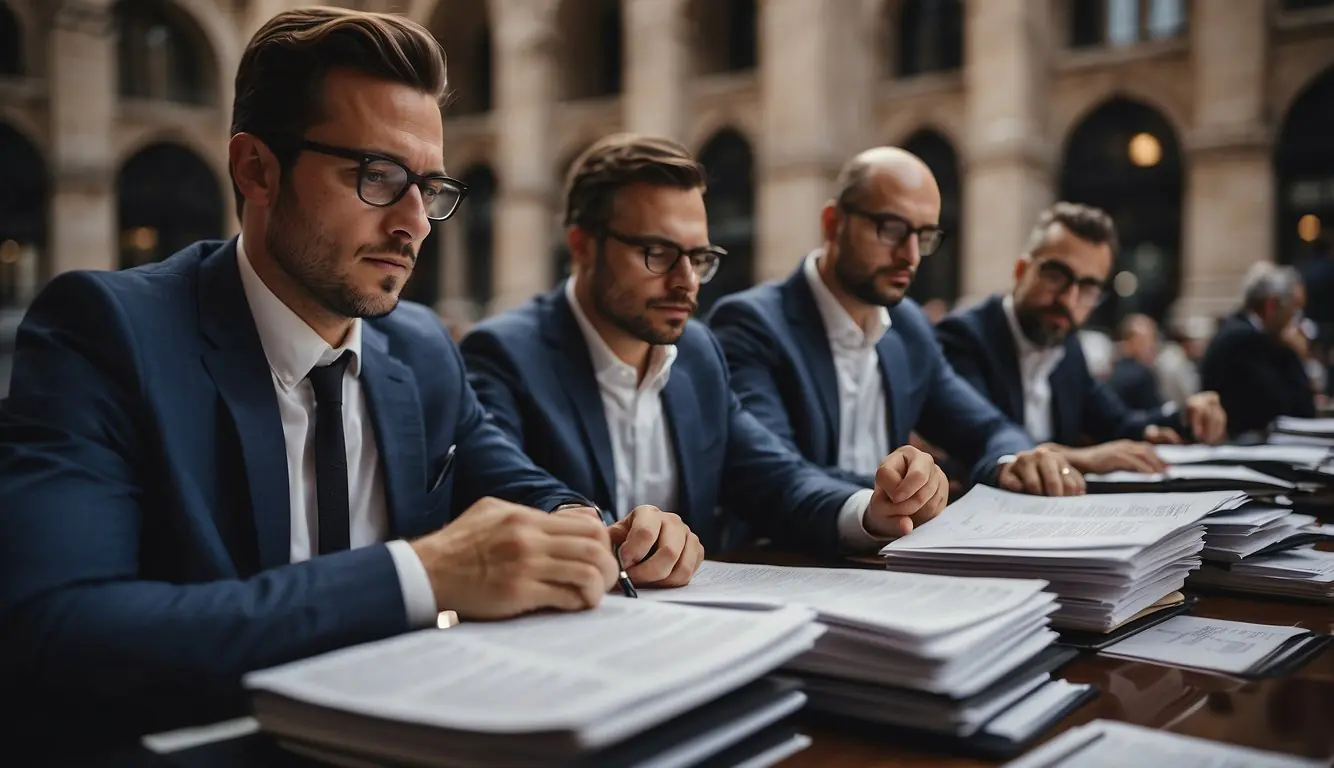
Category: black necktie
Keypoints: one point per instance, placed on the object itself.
(331, 455)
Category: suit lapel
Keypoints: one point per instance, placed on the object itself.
(574, 369)
(391, 397)
(893, 359)
(1006, 354)
(682, 410)
(813, 342)
(240, 371)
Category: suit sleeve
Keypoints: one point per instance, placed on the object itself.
(1107, 418)
(958, 418)
(492, 376)
(775, 490)
(753, 361)
(962, 353)
(76, 474)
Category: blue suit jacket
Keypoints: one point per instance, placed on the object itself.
(978, 343)
(144, 532)
(532, 370)
(783, 369)
(1257, 377)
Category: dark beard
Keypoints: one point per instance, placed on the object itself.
(604, 296)
(860, 287)
(1030, 322)
(299, 248)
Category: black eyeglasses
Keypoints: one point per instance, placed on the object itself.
(893, 230)
(1057, 276)
(382, 181)
(661, 256)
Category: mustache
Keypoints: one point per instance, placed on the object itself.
(1059, 311)
(393, 249)
(675, 301)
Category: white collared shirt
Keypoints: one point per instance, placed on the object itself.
(293, 348)
(641, 447)
(1035, 367)
(863, 431)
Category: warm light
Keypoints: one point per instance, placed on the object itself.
(1125, 284)
(1308, 227)
(1145, 151)
(9, 252)
(141, 238)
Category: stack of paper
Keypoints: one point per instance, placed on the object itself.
(629, 681)
(1215, 645)
(1291, 430)
(1305, 573)
(1232, 535)
(1254, 456)
(1190, 478)
(1106, 557)
(942, 654)
(1111, 743)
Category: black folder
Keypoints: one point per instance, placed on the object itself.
(1092, 641)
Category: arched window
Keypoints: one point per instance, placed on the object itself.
(161, 56)
(166, 199)
(938, 275)
(725, 34)
(1125, 159)
(23, 217)
(11, 43)
(479, 225)
(1097, 23)
(730, 200)
(1304, 164)
(592, 49)
(464, 30)
(929, 36)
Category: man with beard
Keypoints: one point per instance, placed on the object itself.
(251, 452)
(610, 385)
(842, 367)
(1022, 352)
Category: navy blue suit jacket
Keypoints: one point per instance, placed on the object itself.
(1257, 377)
(783, 369)
(145, 523)
(978, 344)
(532, 370)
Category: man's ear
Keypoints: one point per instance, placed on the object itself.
(582, 245)
(1021, 265)
(254, 169)
(829, 222)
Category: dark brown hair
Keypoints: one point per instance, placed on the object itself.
(618, 161)
(280, 81)
(1083, 221)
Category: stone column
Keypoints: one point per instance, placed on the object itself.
(1229, 206)
(82, 88)
(1008, 161)
(657, 67)
(811, 57)
(526, 78)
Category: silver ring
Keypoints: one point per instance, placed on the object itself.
(1065, 470)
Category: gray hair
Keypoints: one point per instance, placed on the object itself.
(1265, 281)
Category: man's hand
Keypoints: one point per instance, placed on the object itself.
(1157, 435)
(909, 490)
(1118, 455)
(499, 560)
(676, 550)
(1206, 417)
(1041, 472)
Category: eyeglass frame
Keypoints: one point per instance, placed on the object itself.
(881, 218)
(645, 243)
(1069, 278)
(364, 158)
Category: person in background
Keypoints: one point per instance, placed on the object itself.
(841, 365)
(609, 384)
(1256, 360)
(1021, 351)
(1134, 378)
(1178, 361)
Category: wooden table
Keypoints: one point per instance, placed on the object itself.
(1293, 714)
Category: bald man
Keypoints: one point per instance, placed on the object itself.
(843, 367)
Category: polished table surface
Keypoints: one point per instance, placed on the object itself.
(1292, 714)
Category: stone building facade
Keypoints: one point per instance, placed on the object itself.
(1204, 126)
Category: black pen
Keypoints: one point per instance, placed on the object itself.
(444, 471)
(627, 588)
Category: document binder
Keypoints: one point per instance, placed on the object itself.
(1093, 641)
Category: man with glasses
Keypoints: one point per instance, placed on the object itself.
(252, 452)
(1022, 352)
(842, 367)
(610, 385)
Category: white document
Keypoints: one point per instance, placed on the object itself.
(920, 605)
(995, 519)
(1297, 455)
(1223, 473)
(1304, 426)
(584, 672)
(1112, 744)
(1215, 645)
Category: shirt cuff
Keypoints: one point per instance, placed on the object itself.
(418, 597)
(852, 531)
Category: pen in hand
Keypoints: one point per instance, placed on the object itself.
(623, 578)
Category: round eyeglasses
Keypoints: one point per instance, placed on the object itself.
(661, 256)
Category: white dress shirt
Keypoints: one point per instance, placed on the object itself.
(1035, 367)
(863, 430)
(641, 448)
(293, 348)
